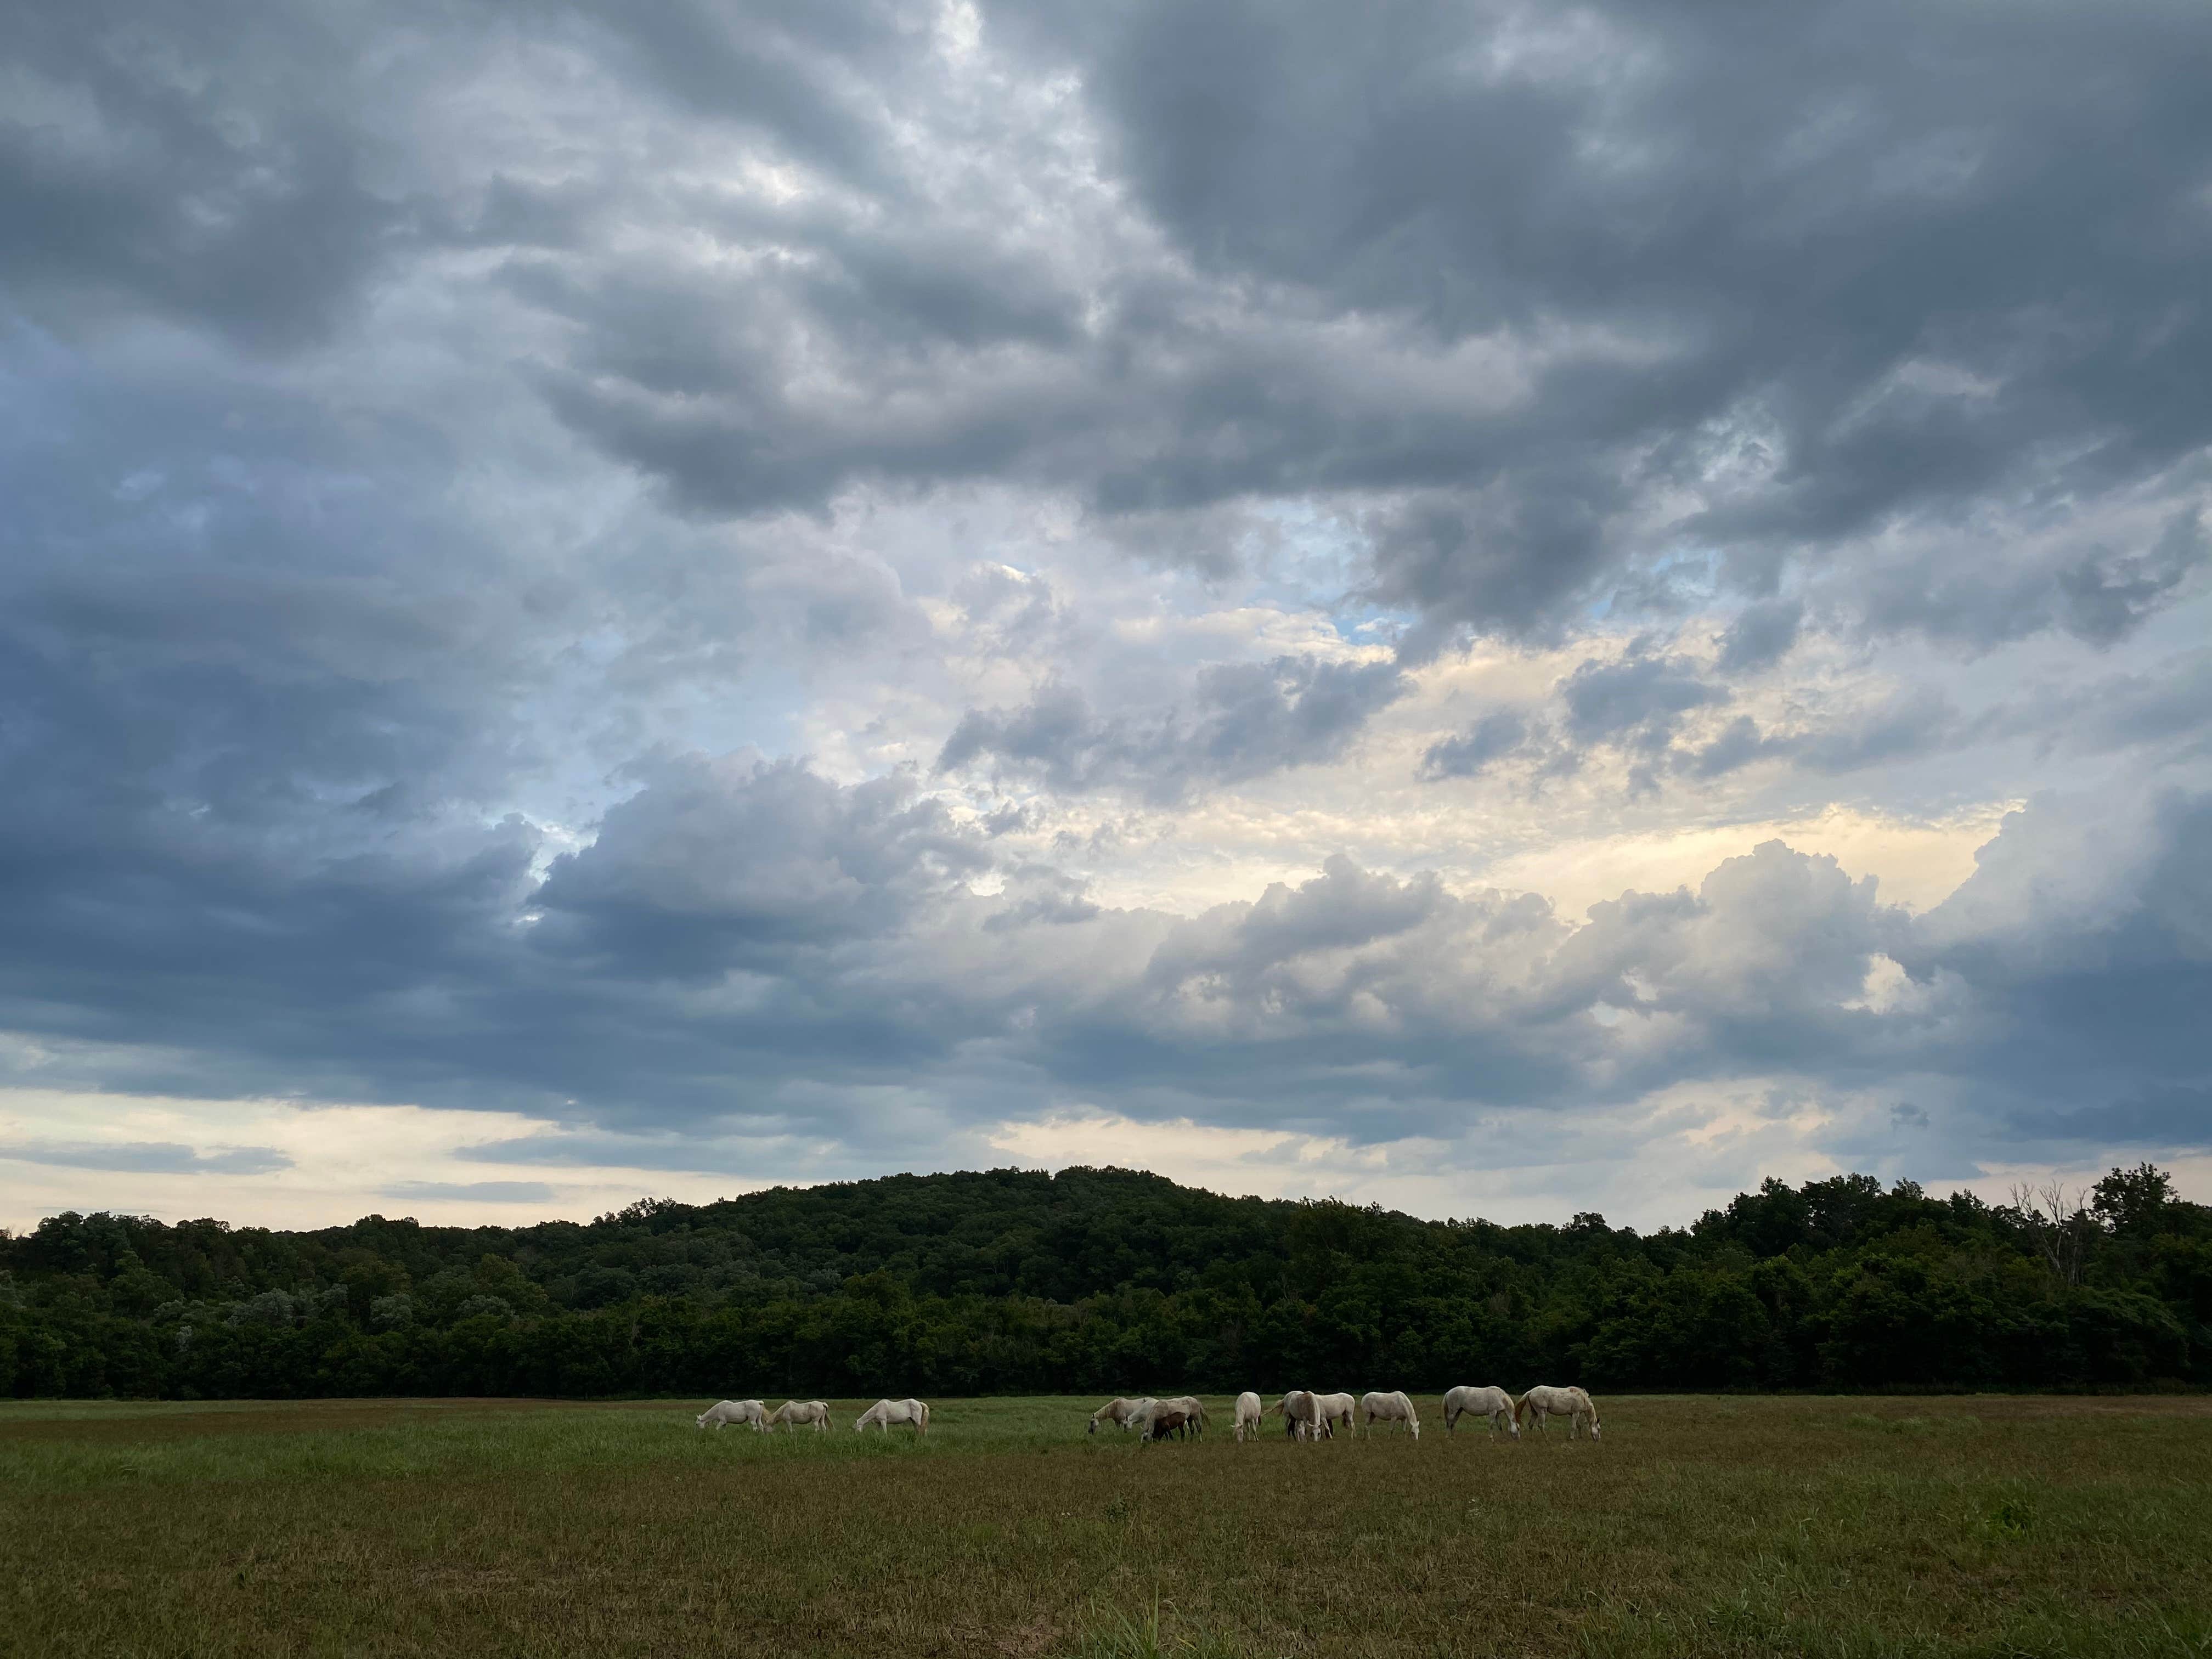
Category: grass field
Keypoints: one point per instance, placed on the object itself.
(1737, 1526)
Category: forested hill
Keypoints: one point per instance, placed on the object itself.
(1099, 1280)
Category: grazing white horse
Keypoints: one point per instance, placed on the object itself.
(1572, 1403)
(1155, 1419)
(885, 1412)
(1493, 1403)
(1117, 1411)
(1390, 1408)
(1333, 1409)
(1248, 1414)
(793, 1412)
(1193, 1410)
(736, 1410)
(1301, 1416)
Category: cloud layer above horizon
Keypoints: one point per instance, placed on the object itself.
(1493, 607)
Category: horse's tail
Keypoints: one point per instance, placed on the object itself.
(924, 1426)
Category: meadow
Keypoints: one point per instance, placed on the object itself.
(1732, 1525)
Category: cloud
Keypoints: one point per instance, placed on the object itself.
(1637, 702)
(1590, 169)
(840, 577)
(1900, 726)
(794, 258)
(715, 862)
(2166, 1119)
(149, 1157)
(484, 1192)
(1243, 721)
(891, 1000)
(1491, 737)
(1762, 633)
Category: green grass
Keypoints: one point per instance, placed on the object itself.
(1996, 1527)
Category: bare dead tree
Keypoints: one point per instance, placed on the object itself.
(2060, 1223)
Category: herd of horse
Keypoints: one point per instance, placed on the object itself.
(1309, 1416)
(1306, 1415)
(814, 1414)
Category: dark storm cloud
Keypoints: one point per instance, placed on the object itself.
(1511, 552)
(1920, 248)
(1819, 275)
(1637, 702)
(206, 165)
(2165, 1118)
(1243, 720)
(1762, 632)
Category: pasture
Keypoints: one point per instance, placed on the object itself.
(1735, 1526)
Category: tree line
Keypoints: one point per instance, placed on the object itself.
(1105, 1280)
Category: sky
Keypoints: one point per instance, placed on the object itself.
(1500, 610)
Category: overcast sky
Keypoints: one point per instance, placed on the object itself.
(1505, 609)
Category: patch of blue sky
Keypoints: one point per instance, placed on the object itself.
(1317, 562)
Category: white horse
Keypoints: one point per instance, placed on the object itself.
(1118, 1411)
(1333, 1409)
(736, 1410)
(1390, 1408)
(1248, 1414)
(1155, 1419)
(885, 1412)
(1193, 1409)
(1572, 1403)
(1301, 1416)
(1493, 1403)
(793, 1412)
